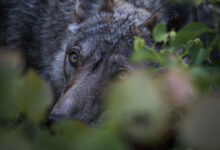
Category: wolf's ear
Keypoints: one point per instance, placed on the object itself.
(84, 9)
(172, 15)
(107, 5)
(151, 22)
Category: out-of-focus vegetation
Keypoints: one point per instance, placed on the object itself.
(175, 106)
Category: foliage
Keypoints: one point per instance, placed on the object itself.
(179, 95)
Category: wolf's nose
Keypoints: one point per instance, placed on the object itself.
(53, 118)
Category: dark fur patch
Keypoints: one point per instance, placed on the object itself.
(107, 5)
(83, 10)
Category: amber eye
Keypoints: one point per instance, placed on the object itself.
(122, 75)
(73, 58)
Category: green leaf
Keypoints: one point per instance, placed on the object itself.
(13, 140)
(172, 35)
(189, 32)
(34, 97)
(8, 93)
(133, 99)
(10, 70)
(202, 55)
(160, 33)
(198, 2)
(196, 51)
(139, 43)
(139, 57)
(101, 140)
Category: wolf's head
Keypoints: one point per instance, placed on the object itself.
(101, 40)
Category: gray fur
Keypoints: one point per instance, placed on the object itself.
(48, 32)
(149, 5)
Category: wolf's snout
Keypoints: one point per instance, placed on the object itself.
(54, 118)
(63, 108)
(81, 101)
(79, 109)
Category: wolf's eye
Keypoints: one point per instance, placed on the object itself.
(73, 58)
(122, 75)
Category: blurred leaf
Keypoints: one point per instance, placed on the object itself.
(14, 141)
(147, 54)
(188, 32)
(160, 33)
(197, 53)
(205, 79)
(202, 128)
(198, 2)
(178, 87)
(137, 109)
(100, 140)
(72, 135)
(139, 43)
(202, 55)
(172, 35)
(139, 56)
(34, 97)
(67, 128)
(8, 92)
(65, 135)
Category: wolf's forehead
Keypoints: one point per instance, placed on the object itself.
(98, 46)
(109, 30)
(119, 21)
(133, 14)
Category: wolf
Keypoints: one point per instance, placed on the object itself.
(79, 46)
